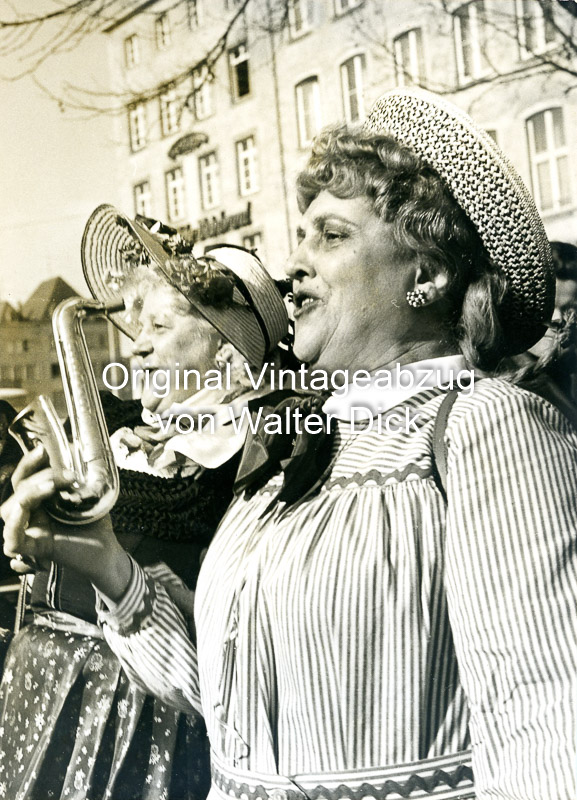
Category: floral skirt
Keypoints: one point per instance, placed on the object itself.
(73, 727)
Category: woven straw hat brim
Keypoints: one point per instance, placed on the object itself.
(489, 190)
(108, 275)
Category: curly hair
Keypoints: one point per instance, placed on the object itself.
(427, 222)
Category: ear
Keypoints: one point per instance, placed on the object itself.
(224, 354)
(433, 283)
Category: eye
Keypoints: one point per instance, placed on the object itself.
(333, 234)
(300, 235)
(158, 326)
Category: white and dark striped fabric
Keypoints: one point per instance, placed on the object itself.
(372, 625)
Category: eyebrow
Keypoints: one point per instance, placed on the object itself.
(321, 219)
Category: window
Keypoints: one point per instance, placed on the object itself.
(175, 193)
(300, 16)
(409, 63)
(194, 12)
(352, 72)
(534, 26)
(169, 121)
(30, 372)
(202, 93)
(254, 242)
(25, 345)
(342, 6)
(162, 31)
(308, 102)
(470, 40)
(137, 125)
(143, 199)
(247, 166)
(239, 72)
(54, 370)
(132, 51)
(549, 159)
(209, 180)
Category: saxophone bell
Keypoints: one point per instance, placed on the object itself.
(86, 450)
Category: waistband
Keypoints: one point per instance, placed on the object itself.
(443, 778)
(62, 621)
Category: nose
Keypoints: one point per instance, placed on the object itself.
(300, 263)
(142, 345)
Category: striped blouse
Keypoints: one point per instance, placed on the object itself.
(373, 624)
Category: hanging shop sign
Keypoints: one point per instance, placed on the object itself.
(186, 144)
(210, 227)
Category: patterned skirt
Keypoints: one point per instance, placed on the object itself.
(73, 727)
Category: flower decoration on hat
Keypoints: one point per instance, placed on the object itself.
(202, 278)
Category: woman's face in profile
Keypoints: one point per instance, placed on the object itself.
(349, 285)
(172, 336)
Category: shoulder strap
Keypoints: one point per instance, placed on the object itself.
(439, 449)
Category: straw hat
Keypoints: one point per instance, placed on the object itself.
(489, 190)
(229, 286)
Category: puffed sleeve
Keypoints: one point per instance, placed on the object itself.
(512, 588)
(150, 630)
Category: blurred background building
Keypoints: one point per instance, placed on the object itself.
(28, 361)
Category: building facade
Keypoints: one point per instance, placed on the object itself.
(214, 150)
(28, 360)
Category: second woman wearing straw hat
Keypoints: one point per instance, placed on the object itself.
(72, 725)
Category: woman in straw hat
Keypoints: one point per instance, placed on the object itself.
(380, 616)
(72, 725)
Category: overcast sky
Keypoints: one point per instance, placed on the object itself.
(56, 168)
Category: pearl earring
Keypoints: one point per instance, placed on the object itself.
(417, 298)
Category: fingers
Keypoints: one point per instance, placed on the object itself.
(22, 564)
(29, 492)
(17, 519)
(32, 462)
(22, 509)
(29, 463)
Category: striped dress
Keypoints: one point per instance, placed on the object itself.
(375, 625)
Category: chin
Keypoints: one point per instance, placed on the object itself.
(305, 352)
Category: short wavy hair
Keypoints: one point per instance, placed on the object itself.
(427, 222)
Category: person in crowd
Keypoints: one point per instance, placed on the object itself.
(564, 369)
(71, 724)
(565, 262)
(379, 616)
(550, 366)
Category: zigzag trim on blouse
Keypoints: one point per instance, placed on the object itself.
(434, 785)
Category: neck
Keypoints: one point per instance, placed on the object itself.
(397, 354)
(419, 351)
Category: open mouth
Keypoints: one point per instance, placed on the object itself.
(303, 301)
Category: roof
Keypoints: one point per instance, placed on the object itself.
(45, 298)
(7, 312)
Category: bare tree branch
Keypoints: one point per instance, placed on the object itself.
(73, 8)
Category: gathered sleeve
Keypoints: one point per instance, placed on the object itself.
(151, 631)
(511, 576)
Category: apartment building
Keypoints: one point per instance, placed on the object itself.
(214, 149)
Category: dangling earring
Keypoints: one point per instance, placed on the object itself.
(417, 298)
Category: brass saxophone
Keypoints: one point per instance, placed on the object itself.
(87, 452)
